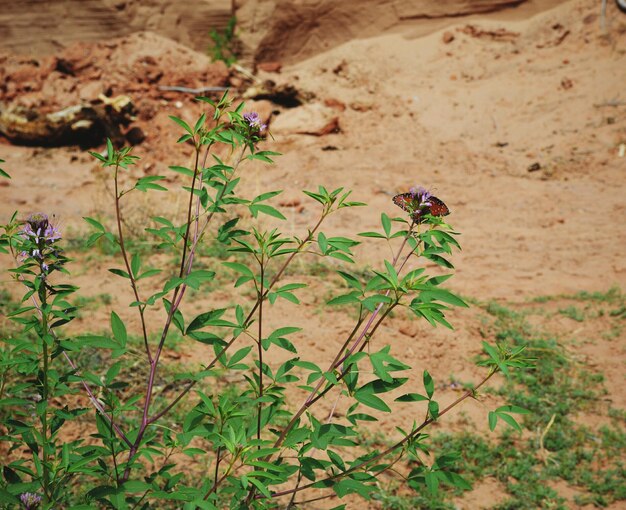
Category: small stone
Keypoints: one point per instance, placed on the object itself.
(534, 167)
(447, 37)
(335, 104)
(361, 106)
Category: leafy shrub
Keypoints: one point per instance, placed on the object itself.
(167, 436)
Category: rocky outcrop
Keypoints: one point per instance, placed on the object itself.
(39, 27)
(295, 29)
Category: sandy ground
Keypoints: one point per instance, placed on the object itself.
(518, 123)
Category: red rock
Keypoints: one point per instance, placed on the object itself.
(270, 67)
(311, 119)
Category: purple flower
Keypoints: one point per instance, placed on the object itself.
(40, 235)
(422, 195)
(39, 229)
(254, 121)
(30, 500)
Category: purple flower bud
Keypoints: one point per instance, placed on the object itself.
(254, 121)
(30, 500)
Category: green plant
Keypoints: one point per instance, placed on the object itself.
(249, 448)
(225, 44)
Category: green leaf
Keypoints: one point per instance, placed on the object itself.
(119, 329)
(187, 172)
(432, 482)
(2, 172)
(89, 340)
(112, 373)
(433, 409)
(238, 356)
(512, 409)
(177, 318)
(352, 297)
(372, 234)
(135, 264)
(196, 278)
(493, 420)
(255, 209)
(208, 318)
(266, 196)
(322, 242)
(429, 384)
(182, 124)
(110, 149)
(7, 497)
(149, 273)
(350, 486)
(136, 486)
(240, 268)
(437, 294)
(411, 397)
(95, 224)
(369, 399)
(199, 123)
(386, 224)
(509, 420)
(148, 182)
(383, 386)
(119, 272)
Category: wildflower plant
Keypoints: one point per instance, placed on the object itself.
(200, 445)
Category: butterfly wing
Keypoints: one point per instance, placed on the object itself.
(405, 201)
(438, 208)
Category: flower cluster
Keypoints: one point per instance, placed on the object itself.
(30, 500)
(422, 195)
(254, 121)
(41, 235)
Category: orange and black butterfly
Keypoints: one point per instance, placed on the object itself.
(419, 202)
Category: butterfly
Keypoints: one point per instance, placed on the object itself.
(419, 202)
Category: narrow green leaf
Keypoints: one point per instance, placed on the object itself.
(429, 384)
(182, 124)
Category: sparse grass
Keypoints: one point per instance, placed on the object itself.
(573, 313)
(93, 302)
(557, 445)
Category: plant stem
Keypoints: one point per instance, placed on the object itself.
(44, 398)
(191, 194)
(217, 465)
(260, 351)
(133, 282)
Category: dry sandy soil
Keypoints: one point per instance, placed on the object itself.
(516, 119)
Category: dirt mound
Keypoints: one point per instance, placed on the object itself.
(138, 66)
